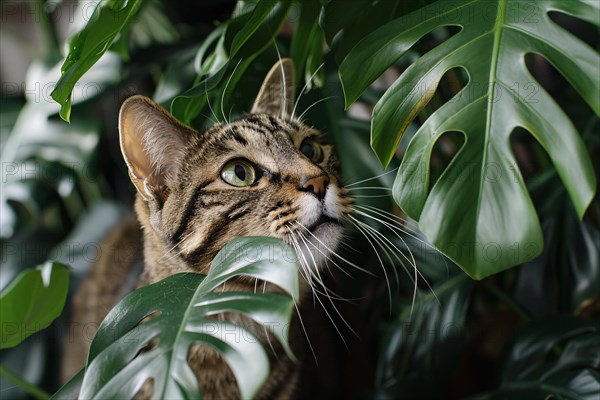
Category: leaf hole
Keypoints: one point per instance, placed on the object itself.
(150, 317)
(149, 346)
(451, 83)
(146, 391)
(530, 155)
(444, 150)
(146, 319)
(548, 78)
(584, 30)
(436, 37)
(364, 107)
(206, 355)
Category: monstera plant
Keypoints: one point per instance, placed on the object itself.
(487, 113)
(479, 212)
(183, 303)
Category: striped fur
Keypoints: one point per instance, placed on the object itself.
(201, 212)
(187, 212)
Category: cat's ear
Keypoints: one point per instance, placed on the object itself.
(277, 93)
(153, 144)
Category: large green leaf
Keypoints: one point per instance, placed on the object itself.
(109, 19)
(357, 18)
(479, 212)
(31, 302)
(185, 303)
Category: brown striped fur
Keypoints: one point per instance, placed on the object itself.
(187, 213)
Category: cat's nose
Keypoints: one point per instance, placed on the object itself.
(316, 185)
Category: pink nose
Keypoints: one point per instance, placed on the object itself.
(316, 185)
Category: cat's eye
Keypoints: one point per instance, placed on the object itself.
(238, 173)
(312, 150)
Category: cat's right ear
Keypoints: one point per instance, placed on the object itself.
(153, 144)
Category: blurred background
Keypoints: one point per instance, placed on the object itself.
(64, 186)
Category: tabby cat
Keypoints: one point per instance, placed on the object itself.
(266, 174)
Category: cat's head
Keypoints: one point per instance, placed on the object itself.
(266, 174)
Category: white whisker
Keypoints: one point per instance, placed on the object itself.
(304, 88)
(394, 247)
(369, 188)
(208, 102)
(311, 278)
(403, 221)
(314, 104)
(214, 121)
(370, 196)
(393, 228)
(352, 220)
(377, 237)
(396, 219)
(327, 290)
(173, 255)
(305, 333)
(328, 297)
(283, 90)
(334, 253)
(225, 91)
(370, 179)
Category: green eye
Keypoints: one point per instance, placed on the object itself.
(238, 173)
(312, 150)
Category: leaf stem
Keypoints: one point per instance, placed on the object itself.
(507, 300)
(23, 384)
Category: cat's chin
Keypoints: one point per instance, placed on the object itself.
(323, 241)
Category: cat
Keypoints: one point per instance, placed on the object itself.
(266, 174)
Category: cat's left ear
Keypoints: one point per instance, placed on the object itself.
(153, 144)
(277, 94)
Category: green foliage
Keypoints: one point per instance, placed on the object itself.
(420, 348)
(31, 302)
(569, 265)
(110, 19)
(555, 357)
(234, 47)
(118, 364)
(460, 213)
(440, 320)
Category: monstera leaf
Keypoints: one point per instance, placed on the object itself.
(479, 212)
(183, 304)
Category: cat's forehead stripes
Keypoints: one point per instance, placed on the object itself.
(188, 208)
(259, 135)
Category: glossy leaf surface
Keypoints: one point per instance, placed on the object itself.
(479, 212)
(108, 21)
(185, 304)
